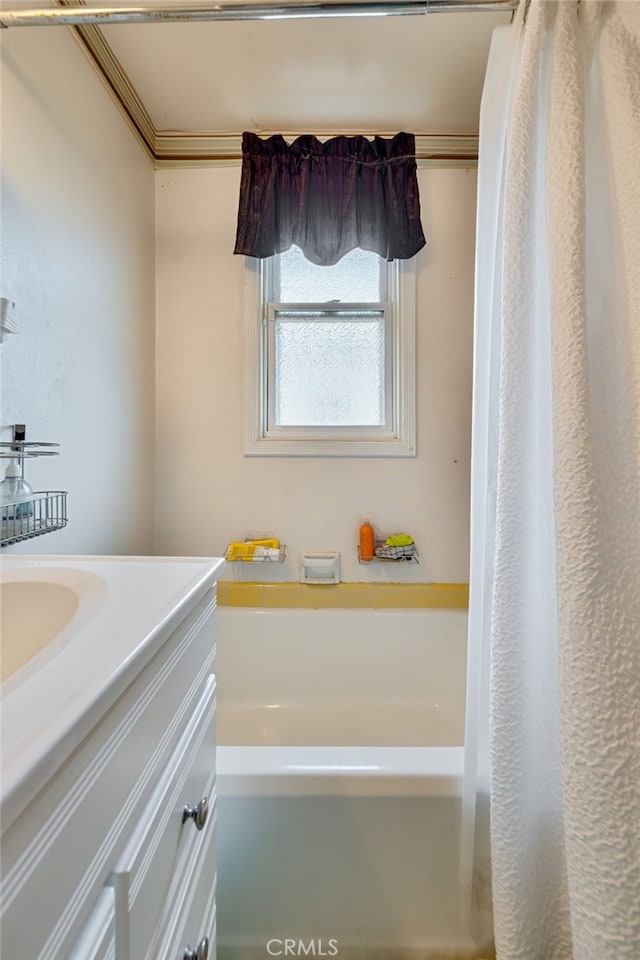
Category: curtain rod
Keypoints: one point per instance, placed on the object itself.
(75, 15)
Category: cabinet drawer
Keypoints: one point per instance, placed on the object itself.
(163, 847)
(98, 938)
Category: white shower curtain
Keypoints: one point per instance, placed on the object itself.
(555, 569)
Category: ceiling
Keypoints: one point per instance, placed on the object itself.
(190, 89)
(423, 74)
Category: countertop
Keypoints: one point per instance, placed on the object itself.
(129, 607)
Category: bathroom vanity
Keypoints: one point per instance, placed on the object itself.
(108, 786)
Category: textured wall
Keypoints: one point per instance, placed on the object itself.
(77, 257)
(209, 493)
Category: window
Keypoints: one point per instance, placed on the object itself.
(332, 357)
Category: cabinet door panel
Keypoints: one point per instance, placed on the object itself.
(157, 861)
(97, 940)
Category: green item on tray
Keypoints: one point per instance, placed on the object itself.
(399, 540)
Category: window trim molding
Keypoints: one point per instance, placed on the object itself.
(401, 292)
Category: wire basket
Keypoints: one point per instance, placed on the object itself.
(270, 558)
(383, 552)
(41, 512)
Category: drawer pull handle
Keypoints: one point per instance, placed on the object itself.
(199, 815)
(200, 953)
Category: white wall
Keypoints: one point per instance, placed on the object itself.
(208, 493)
(78, 259)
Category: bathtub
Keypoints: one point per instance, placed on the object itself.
(340, 764)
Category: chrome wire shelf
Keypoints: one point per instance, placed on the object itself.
(26, 449)
(391, 554)
(282, 554)
(41, 512)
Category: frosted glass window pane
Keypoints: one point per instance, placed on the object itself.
(354, 279)
(329, 369)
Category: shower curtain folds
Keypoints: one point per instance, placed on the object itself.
(555, 598)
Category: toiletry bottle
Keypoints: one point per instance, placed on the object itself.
(367, 543)
(14, 495)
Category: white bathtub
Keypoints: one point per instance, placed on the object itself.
(339, 777)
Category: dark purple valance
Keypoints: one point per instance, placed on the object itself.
(328, 198)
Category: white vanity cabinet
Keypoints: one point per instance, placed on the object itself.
(114, 857)
(155, 878)
(98, 938)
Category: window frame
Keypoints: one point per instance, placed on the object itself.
(398, 437)
(354, 432)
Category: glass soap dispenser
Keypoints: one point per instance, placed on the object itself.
(15, 494)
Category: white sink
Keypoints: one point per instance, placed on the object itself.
(32, 614)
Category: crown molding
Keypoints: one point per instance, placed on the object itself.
(193, 149)
(168, 148)
(111, 72)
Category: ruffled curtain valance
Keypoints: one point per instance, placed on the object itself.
(328, 198)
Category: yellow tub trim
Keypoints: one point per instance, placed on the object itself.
(450, 596)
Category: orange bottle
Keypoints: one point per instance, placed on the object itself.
(367, 543)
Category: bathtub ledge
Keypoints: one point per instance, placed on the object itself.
(340, 771)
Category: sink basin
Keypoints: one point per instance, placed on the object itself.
(32, 614)
(76, 631)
